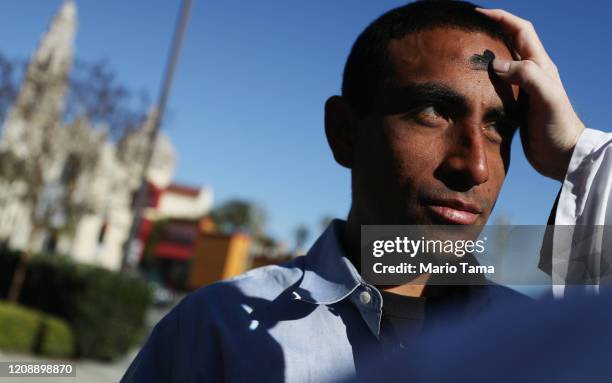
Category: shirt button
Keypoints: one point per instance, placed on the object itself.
(365, 297)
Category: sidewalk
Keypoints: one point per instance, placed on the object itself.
(87, 371)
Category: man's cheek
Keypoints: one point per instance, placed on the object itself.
(493, 189)
(498, 158)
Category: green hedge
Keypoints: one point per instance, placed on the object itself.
(19, 328)
(58, 341)
(105, 310)
(111, 314)
(30, 331)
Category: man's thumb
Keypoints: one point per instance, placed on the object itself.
(526, 74)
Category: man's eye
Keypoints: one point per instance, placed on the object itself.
(498, 131)
(429, 116)
(430, 110)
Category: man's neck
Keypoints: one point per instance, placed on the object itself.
(414, 288)
(351, 241)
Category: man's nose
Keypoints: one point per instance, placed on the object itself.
(465, 164)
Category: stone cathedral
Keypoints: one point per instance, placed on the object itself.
(104, 174)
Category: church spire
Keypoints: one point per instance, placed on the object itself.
(39, 104)
(56, 46)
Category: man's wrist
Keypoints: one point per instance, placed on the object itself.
(555, 162)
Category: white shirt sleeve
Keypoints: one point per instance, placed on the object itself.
(580, 246)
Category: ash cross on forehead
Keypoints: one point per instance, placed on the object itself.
(481, 61)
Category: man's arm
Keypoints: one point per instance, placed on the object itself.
(552, 127)
(183, 347)
(557, 144)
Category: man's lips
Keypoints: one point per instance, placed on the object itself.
(456, 211)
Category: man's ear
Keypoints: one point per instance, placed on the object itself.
(340, 129)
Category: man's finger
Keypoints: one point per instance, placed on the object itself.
(526, 74)
(525, 39)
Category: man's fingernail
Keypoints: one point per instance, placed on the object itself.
(501, 65)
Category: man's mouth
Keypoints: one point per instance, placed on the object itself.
(455, 211)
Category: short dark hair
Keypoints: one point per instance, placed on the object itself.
(368, 65)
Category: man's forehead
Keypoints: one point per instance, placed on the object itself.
(442, 49)
(454, 58)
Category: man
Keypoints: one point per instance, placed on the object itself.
(432, 94)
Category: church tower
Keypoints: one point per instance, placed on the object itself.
(39, 105)
(132, 148)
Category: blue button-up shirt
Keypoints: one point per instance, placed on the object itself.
(313, 319)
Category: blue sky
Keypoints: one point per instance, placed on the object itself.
(246, 110)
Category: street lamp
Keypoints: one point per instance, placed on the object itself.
(132, 247)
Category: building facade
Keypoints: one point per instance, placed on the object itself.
(71, 188)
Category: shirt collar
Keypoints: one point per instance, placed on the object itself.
(329, 276)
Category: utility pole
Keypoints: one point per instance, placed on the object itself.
(131, 247)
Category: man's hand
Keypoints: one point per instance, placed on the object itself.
(552, 127)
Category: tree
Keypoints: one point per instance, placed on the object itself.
(50, 201)
(239, 215)
(31, 176)
(95, 94)
(8, 84)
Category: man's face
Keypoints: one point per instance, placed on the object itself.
(435, 148)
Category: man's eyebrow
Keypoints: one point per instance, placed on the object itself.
(413, 94)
